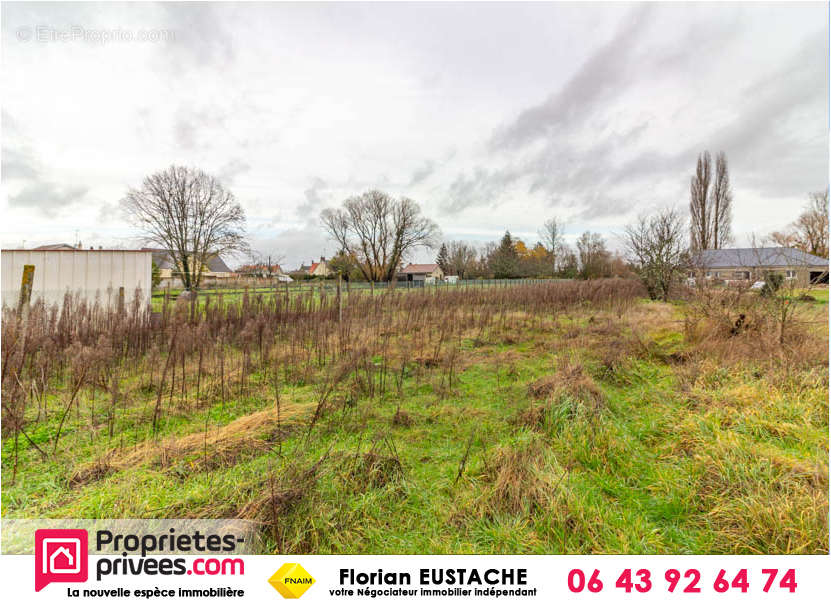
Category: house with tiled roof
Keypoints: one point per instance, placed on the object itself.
(169, 271)
(422, 272)
(316, 269)
(751, 264)
(260, 270)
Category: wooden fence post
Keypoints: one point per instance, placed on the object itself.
(121, 300)
(26, 282)
(340, 301)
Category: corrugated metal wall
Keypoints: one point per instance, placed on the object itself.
(89, 273)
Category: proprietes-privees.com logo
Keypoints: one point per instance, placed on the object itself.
(61, 555)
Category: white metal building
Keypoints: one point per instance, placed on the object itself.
(88, 273)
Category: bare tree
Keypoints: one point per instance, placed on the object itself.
(721, 204)
(809, 232)
(700, 211)
(551, 235)
(378, 232)
(812, 225)
(462, 258)
(593, 256)
(783, 239)
(655, 247)
(189, 214)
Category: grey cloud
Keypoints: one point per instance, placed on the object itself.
(20, 164)
(605, 73)
(422, 173)
(761, 138)
(10, 125)
(49, 198)
(109, 211)
(201, 38)
(194, 126)
(17, 164)
(483, 188)
(309, 210)
(230, 171)
(561, 172)
(184, 132)
(559, 166)
(565, 148)
(761, 148)
(286, 244)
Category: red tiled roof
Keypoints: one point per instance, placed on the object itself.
(313, 267)
(424, 268)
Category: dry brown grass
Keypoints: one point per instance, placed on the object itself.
(219, 445)
(280, 496)
(371, 470)
(570, 379)
(90, 473)
(542, 388)
(520, 478)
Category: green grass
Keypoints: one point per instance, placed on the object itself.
(626, 453)
(819, 293)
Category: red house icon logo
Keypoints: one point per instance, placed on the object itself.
(60, 556)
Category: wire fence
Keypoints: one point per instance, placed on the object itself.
(331, 286)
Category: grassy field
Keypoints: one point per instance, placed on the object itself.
(515, 422)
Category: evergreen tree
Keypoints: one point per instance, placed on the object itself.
(504, 261)
(443, 260)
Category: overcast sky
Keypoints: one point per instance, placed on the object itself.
(491, 116)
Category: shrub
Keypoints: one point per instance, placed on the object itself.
(773, 281)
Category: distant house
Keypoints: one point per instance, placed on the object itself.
(56, 247)
(316, 269)
(170, 271)
(320, 269)
(751, 264)
(422, 273)
(260, 270)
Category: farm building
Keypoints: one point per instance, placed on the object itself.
(751, 264)
(88, 273)
(422, 273)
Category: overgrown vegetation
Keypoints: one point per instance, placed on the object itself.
(553, 417)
